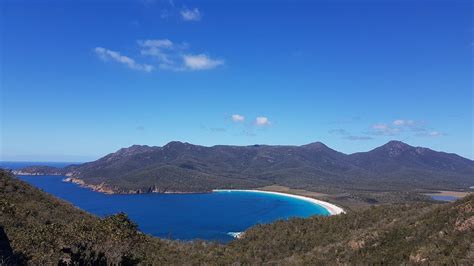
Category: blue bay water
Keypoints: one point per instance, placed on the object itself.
(443, 197)
(208, 216)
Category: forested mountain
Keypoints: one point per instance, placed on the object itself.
(37, 228)
(184, 167)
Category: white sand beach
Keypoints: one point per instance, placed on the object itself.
(331, 208)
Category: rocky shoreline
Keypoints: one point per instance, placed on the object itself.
(32, 174)
(35, 173)
(110, 190)
(103, 188)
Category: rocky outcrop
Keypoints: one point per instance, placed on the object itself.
(108, 189)
(102, 187)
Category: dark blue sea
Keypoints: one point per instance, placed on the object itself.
(207, 216)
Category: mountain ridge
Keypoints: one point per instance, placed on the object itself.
(184, 167)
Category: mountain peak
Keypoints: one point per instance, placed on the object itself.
(174, 143)
(134, 149)
(395, 147)
(316, 145)
(396, 142)
(179, 145)
(129, 151)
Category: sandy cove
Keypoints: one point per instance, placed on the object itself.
(331, 208)
(103, 188)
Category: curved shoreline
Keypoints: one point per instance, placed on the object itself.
(331, 208)
(102, 188)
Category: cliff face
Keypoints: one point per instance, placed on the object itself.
(108, 189)
(103, 188)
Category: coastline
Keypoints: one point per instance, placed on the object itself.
(104, 188)
(331, 208)
(456, 194)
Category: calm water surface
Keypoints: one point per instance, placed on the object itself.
(443, 197)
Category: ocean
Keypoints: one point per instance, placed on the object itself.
(212, 216)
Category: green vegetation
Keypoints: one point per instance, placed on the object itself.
(42, 229)
(37, 228)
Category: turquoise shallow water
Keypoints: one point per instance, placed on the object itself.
(208, 216)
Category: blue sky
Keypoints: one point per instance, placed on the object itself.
(80, 79)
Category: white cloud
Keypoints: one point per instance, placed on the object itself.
(163, 43)
(401, 122)
(262, 121)
(166, 54)
(159, 49)
(347, 135)
(410, 125)
(190, 14)
(238, 118)
(432, 133)
(201, 62)
(384, 129)
(381, 127)
(404, 126)
(106, 54)
(172, 56)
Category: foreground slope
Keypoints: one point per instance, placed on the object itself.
(183, 167)
(40, 229)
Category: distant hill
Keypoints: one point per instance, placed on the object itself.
(39, 229)
(184, 167)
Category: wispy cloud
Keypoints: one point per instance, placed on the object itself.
(402, 122)
(432, 134)
(150, 46)
(163, 50)
(384, 129)
(201, 62)
(404, 126)
(238, 118)
(262, 121)
(109, 55)
(190, 14)
(396, 127)
(168, 9)
(175, 57)
(347, 135)
(166, 54)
